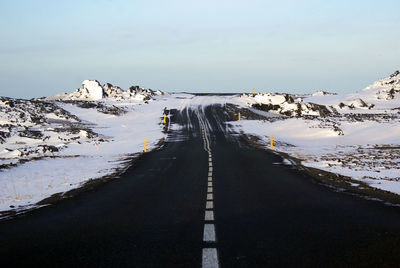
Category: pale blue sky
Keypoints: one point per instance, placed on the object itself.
(49, 47)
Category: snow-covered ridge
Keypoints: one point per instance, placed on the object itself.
(355, 135)
(38, 128)
(92, 90)
(322, 93)
(382, 94)
(52, 145)
(286, 104)
(33, 129)
(386, 88)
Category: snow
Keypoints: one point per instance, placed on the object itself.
(115, 139)
(358, 103)
(94, 89)
(361, 141)
(354, 154)
(379, 94)
(385, 88)
(269, 98)
(36, 180)
(58, 143)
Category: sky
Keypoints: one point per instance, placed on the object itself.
(50, 47)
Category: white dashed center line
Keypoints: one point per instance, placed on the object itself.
(209, 232)
(210, 255)
(210, 258)
(209, 215)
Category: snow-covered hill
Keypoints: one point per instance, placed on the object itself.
(92, 90)
(55, 144)
(355, 134)
(387, 88)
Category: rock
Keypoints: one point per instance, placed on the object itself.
(358, 103)
(92, 90)
(321, 109)
(107, 86)
(289, 99)
(95, 90)
(396, 73)
(386, 88)
(266, 107)
(134, 89)
(322, 93)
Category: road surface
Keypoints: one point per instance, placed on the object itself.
(207, 199)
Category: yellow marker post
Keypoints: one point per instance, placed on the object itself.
(203, 90)
(272, 143)
(239, 117)
(97, 145)
(164, 119)
(254, 91)
(145, 144)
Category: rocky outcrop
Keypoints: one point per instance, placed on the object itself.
(356, 104)
(286, 105)
(322, 93)
(92, 91)
(386, 88)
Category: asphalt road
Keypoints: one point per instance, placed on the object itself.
(260, 213)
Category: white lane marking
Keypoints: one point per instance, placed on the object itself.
(209, 232)
(204, 131)
(209, 215)
(210, 258)
(210, 255)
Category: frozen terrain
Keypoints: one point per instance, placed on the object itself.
(56, 144)
(356, 135)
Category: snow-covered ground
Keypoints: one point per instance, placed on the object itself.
(55, 144)
(356, 135)
(63, 141)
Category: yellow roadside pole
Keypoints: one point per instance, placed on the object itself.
(164, 118)
(145, 144)
(239, 117)
(272, 143)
